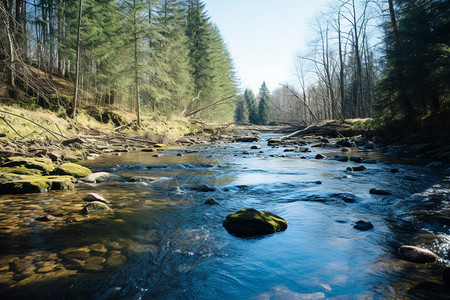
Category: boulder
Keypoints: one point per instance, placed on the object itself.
(44, 165)
(95, 206)
(46, 218)
(211, 201)
(247, 139)
(369, 146)
(363, 225)
(96, 197)
(341, 158)
(72, 169)
(149, 150)
(97, 177)
(20, 184)
(356, 169)
(256, 147)
(377, 191)
(345, 149)
(356, 159)
(159, 145)
(274, 142)
(320, 156)
(346, 144)
(416, 254)
(248, 222)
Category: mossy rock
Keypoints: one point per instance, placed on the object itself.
(72, 169)
(45, 165)
(35, 184)
(249, 222)
(159, 145)
(95, 206)
(22, 170)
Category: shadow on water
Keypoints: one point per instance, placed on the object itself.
(162, 242)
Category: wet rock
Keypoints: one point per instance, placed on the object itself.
(394, 170)
(96, 197)
(341, 158)
(345, 149)
(95, 206)
(246, 153)
(97, 177)
(204, 188)
(255, 147)
(149, 150)
(44, 165)
(180, 154)
(377, 191)
(249, 222)
(348, 199)
(72, 169)
(416, 254)
(159, 145)
(116, 260)
(247, 139)
(94, 263)
(369, 146)
(34, 184)
(142, 179)
(356, 159)
(211, 201)
(356, 169)
(346, 144)
(274, 142)
(369, 161)
(320, 156)
(158, 155)
(46, 218)
(289, 150)
(363, 225)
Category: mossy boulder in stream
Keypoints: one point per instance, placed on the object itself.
(248, 222)
(74, 170)
(22, 184)
(43, 165)
(95, 206)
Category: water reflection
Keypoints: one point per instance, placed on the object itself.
(161, 241)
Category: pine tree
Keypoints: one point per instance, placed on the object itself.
(253, 116)
(241, 112)
(264, 105)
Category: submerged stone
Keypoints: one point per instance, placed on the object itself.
(377, 191)
(211, 201)
(74, 170)
(95, 206)
(416, 254)
(248, 222)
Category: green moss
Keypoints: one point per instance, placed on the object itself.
(22, 170)
(95, 206)
(35, 184)
(252, 222)
(45, 165)
(159, 145)
(72, 169)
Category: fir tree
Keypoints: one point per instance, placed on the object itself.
(241, 112)
(253, 116)
(264, 105)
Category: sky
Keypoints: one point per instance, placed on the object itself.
(264, 36)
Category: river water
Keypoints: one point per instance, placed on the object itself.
(162, 242)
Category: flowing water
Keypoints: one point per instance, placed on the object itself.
(162, 242)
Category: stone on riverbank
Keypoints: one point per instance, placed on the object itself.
(20, 184)
(247, 222)
(97, 177)
(95, 206)
(247, 139)
(43, 165)
(416, 254)
(72, 169)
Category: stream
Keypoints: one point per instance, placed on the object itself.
(162, 242)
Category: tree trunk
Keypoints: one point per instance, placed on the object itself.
(77, 63)
(136, 78)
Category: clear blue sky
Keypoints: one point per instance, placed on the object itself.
(263, 36)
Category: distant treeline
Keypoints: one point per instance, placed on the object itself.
(163, 55)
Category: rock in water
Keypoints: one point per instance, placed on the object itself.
(256, 147)
(248, 222)
(74, 170)
(363, 225)
(416, 254)
(376, 191)
(95, 206)
(97, 177)
(320, 156)
(95, 197)
(211, 201)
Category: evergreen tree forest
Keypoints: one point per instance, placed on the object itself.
(162, 57)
